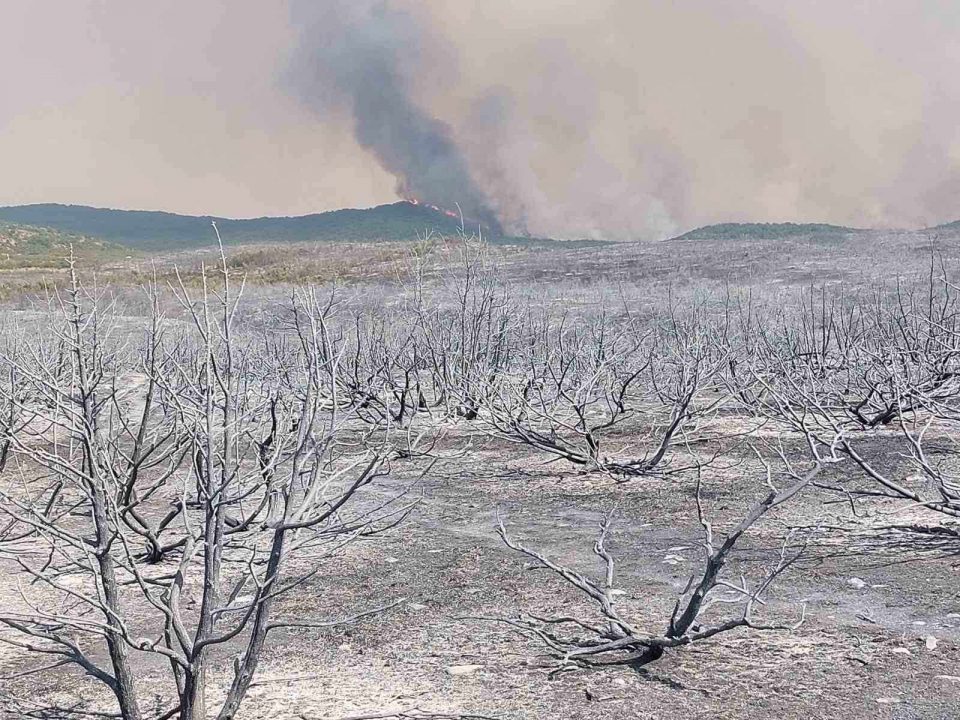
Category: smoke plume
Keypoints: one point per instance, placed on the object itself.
(363, 59)
(638, 118)
(616, 119)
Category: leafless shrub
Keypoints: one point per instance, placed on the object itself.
(575, 384)
(611, 638)
(466, 342)
(870, 379)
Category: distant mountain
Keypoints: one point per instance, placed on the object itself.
(767, 231)
(161, 230)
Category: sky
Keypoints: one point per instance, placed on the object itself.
(613, 119)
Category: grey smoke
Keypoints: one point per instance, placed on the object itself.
(618, 119)
(640, 118)
(361, 57)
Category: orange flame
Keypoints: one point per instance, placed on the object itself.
(448, 213)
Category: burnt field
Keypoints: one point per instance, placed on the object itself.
(711, 478)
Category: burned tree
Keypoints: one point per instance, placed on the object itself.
(167, 486)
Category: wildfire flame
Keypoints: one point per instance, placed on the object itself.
(448, 213)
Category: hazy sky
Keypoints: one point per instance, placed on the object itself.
(606, 118)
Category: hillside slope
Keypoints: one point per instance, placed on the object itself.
(767, 231)
(160, 230)
(951, 228)
(29, 246)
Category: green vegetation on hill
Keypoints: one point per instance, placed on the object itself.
(23, 246)
(951, 227)
(767, 231)
(161, 231)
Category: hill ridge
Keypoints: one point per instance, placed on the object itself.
(766, 230)
(158, 229)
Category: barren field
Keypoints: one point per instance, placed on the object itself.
(877, 585)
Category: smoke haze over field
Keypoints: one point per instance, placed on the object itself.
(608, 118)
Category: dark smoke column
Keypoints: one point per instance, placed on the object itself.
(363, 55)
